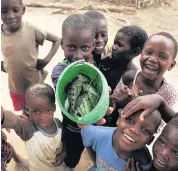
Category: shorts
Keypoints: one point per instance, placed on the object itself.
(18, 101)
(74, 145)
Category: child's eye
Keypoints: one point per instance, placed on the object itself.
(129, 120)
(161, 141)
(36, 112)
(146, 131)
(148, 52)
(49, 111)
(163, 56)
(104, 35)
(175, 153)
(119, 44)
(85, 48)
(71, 48)
(16, 11)
(3, 11)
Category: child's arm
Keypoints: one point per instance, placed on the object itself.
(149, 103)
(2, 66)
(23, 128)
(41, 63)
(60, 157)
(56, 73)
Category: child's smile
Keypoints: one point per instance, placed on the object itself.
(132, 134)
(165, 150)
(128, 138)
(157, 56)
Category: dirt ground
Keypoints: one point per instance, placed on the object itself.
(163, 18)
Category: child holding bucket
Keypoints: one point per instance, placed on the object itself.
(78, 34)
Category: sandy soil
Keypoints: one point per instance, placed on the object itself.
(152, 20)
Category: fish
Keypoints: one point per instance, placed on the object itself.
(91, 91)
(83, 105)
(74, 90)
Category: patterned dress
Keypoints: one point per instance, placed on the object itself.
(6, 151)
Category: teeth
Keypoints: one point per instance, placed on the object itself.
(129, 138)
(161, 162)
(150, 67)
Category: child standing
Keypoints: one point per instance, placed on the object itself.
(42, 133)
(128, 43)
(20, 45)
(78, 34)
(101, 49)
(115, 146)
(157, 57)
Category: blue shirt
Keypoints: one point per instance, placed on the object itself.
(100, 139)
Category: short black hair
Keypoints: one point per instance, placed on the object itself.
(95, 15)
(79, 21)
(174, 121)
(20, 2)
(137, 35)
(42, 91)
(169, 36)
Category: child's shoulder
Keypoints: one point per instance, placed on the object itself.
(129, 76)
(32, 29)
(58, 122)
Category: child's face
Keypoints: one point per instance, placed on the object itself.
(133, 134)
(121, 49)
(157, 56)
(78, 44)
(165, 150)
(101, 38)
(11, 13)
(41, 111)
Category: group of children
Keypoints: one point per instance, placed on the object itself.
(119, 145)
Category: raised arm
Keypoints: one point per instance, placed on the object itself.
(41, 63)
(23, 128)
(149, 103)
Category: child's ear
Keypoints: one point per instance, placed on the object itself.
(54, 107)
(24, 9)
(62, 44)
(152, 139)
(172, 65)
(136, 51)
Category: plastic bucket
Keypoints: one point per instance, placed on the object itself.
(92, 72)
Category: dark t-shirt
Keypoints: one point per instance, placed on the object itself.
(113, 70)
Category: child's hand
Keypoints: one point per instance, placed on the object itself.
(148, 103)
(41, 63)
(132, 166)
(125, 95)
(59, 159)
(100, 122)
(24, 117)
